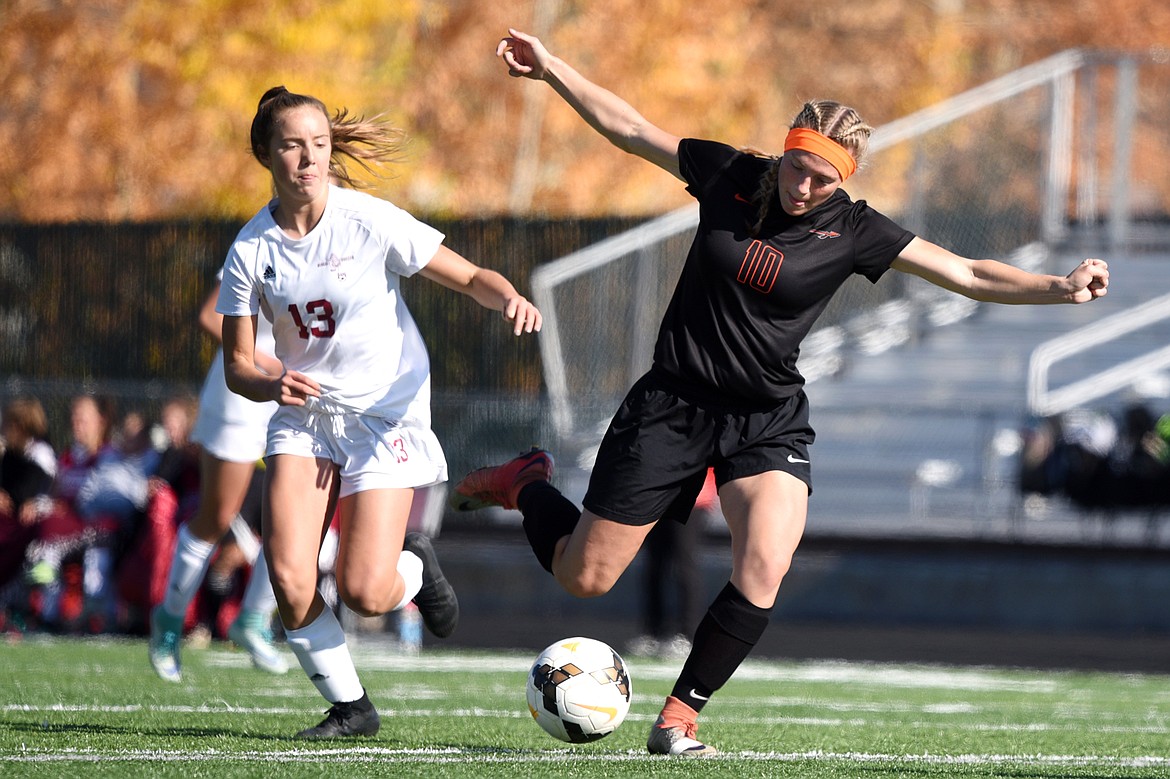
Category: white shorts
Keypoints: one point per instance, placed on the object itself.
(373, 453)
(229, 426)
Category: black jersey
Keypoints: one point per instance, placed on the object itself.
(743, 304)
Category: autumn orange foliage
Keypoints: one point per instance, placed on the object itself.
(120, 110)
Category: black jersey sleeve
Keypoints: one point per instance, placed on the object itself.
(701, 162)
(878, 241)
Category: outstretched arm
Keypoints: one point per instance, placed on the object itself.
(486, 287)
(991, 281)
(605, 112)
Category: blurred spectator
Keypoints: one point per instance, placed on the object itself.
(1137, 463)
(118, 484)
(1100, 463)
(28, 463)
(1158, 444)
(60, 529)
(179, 455)
(1042, 469)
(98, 490)
(28, 466)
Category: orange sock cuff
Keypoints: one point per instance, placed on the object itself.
(677, 714)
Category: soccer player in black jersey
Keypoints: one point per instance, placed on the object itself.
(776, 237)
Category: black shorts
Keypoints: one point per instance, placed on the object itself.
(654, 457)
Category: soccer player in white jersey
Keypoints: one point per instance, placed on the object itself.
(230, 431)
(324, 264)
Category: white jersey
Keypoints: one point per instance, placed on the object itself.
(334, 301)
(229, 426)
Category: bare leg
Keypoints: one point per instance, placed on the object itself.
(222, 488)
(589, 562)
(299, 496)
(373, 525)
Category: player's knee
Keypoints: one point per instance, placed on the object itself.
(209, 524)
(296, 592)
(769, 573)
(363, 607)
(763, 572)
(362, 598)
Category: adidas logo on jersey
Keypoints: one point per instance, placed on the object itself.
(269, 273)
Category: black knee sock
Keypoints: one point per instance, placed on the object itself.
(725, 636)
(548, 517)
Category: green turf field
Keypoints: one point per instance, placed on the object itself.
(91, 708)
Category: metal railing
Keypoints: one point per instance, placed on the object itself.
(1044, 401)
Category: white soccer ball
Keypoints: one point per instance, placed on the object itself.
(578, 690)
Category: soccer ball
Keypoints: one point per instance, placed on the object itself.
(578, 690)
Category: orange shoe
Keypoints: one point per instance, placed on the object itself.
(499, 485)
(674, 732)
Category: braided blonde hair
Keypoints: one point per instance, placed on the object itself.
(371, 143)
(835, 121)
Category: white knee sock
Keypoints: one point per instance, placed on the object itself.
(258, 595)
(410, 568)
(320, 648)
(188, 567)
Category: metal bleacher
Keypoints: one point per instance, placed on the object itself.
(926, 436)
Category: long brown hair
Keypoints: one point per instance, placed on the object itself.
(834, 120)
(28, 416)
(370, 142)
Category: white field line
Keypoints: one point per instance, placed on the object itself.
(754, 718)
(373, 654)
(480, 756)
(870, 674)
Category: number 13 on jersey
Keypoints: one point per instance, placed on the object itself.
(317, 319)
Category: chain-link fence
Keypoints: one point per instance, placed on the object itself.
(112, 308)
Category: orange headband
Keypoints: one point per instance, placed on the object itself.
(822, 146)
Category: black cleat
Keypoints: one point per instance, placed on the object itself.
(436, 601)
(344, 720)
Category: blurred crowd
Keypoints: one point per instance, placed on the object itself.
(87, 526)
(1100, 461)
